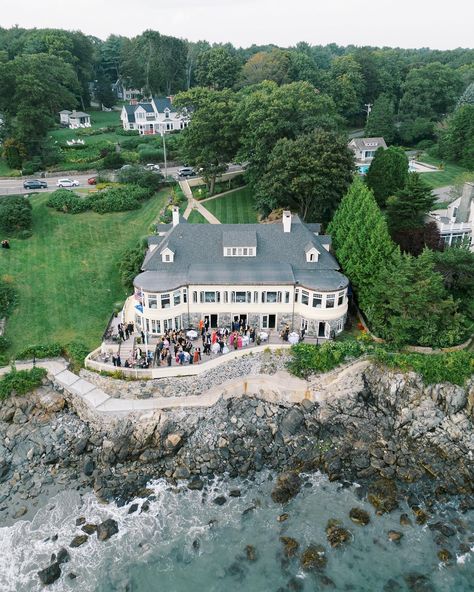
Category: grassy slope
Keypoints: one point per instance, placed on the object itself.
(196, 217)
(66, 273)
(233, 208)
(443, 178)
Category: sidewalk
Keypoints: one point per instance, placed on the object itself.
(193, 204)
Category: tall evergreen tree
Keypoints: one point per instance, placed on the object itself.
(408, 207)
(381, 121)
(388, 173)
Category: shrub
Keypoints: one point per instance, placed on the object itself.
(122, 132)
(21, 381)
(151, 155)
(141, 177)
(15, 213)
(130, 264)
(454, 367)
(113, 160)
(120, 199)
(7, 298)
(14, 153)
(4, 344)
(24, 234)
(76, 351)
(68, 202)
(307, 359)
(41, 351)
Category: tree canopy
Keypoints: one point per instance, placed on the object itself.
(388, 173)
(309, 174)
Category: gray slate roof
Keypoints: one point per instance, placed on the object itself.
(163, 103)
(242, 238)
(372, 143)
(199, 259)
(79, 114)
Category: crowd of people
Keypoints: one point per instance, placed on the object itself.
(177, 347)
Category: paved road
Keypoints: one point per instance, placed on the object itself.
(14, 185)
(443, 193)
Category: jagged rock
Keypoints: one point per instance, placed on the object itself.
(50, 574)
(336, 534)
(219, 500)
(63, 555)
(444, 555)
(382, 494)
(133, 508)
(196, 484)
(283, 517)
(420, 514)
(405, 520)
(394, 536)
(78, 540)
(251, 553)
(359, 516)
(173, 442)
(22, 510)
(71, 575)
(89, 528)
(290, 546)
(418, 582)
(181, 473)
(288, 486)
(80, 521)
(107, 529)
(234, 493)
(314, 558)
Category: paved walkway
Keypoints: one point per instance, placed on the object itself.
(193, 204)
(277, 388)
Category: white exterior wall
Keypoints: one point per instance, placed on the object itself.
(283, 310)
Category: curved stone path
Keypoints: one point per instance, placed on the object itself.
(280, 388)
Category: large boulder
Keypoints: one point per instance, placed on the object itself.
(292, 422)
(50, 574)
(382, 494)
(314, 558)
(287, 486)
(107, 529)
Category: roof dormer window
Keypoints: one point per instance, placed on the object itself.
(167, 255)
(312, 254)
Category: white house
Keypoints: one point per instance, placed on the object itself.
(267, 275)
(456, 221)
(155, 117)
(123, 93)
(74, 119)
(365, 148)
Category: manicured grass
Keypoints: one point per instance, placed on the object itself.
(66, 274)
(233, 208)
(442, 178)
(196, 217)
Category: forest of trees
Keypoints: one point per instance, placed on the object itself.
(418, 95)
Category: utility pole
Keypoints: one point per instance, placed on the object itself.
(368, 108)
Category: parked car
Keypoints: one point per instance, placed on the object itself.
(67, 183)
(153, 167)
(186, 172)
(35, 184)
(92, 180)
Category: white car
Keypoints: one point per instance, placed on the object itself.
(67, 183)
(152, 167)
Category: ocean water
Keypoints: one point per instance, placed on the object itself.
(186, 543)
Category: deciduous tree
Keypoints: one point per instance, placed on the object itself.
(309, 174)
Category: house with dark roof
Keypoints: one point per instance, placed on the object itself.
(156, 116)
(365, 148)
(265, 275)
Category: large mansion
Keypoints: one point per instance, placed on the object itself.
(156, 116)
(268, 275)
(456, 221)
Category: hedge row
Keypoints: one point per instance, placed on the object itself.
(454, 367)
(75, 351)
(113, 199)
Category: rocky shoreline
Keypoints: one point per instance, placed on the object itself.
(400, 440)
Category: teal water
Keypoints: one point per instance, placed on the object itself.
(187, 543)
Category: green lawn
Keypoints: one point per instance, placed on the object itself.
(196, 217)
(66, 273)
(443, 178)
(233, 208)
